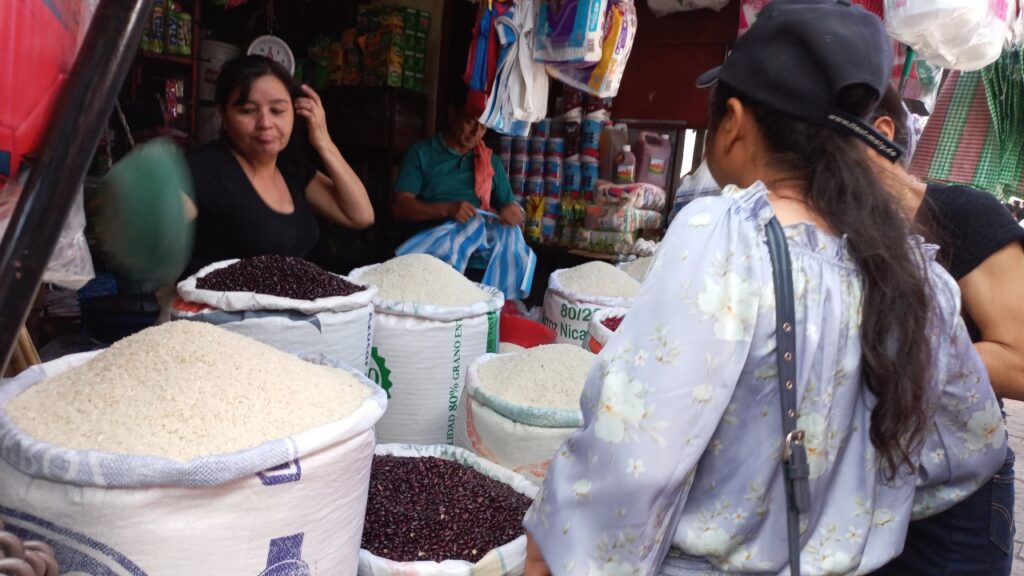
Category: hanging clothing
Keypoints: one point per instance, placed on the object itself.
(961, 142)
(510, 261)
(482, 65)
(519, 96)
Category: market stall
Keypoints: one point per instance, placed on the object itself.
(355, 412)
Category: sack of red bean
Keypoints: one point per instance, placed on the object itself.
(429, 324)
(443, 511)
(603, 325)
(288, 303)
(519, 408)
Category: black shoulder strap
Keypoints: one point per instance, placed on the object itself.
(794, 457)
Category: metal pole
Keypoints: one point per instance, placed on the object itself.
(81, 113)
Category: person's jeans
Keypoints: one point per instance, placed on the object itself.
(975, 537)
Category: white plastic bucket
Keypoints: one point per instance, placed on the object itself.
(212, 56)
(207, 123)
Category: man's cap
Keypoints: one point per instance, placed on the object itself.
(801, 54)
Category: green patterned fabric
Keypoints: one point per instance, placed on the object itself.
(1004, 89)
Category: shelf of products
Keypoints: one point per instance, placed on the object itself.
(167, 67)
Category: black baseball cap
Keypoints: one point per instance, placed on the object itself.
(800, 54)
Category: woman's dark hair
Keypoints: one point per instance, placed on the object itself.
(842, 188)
(240, 73)
(891, 106)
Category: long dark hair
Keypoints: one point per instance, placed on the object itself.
(924, 222)
(890, 105)
(240, 73)
(842, 188)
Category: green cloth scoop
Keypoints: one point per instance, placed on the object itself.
(141, 221)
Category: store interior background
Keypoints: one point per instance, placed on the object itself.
(374, 126)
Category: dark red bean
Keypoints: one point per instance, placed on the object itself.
(429, 509)
(282, 276)
(612, 322)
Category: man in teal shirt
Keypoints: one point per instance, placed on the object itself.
(436, 180)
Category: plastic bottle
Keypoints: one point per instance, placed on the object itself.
(653, 154)
(613, 138)
(625, 166)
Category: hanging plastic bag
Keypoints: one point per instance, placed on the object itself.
(570, 32)
(958, 34)
(923, 81)
(603, 79)
(700, 183)
(749, 9)
(70, 264)
(662, 7)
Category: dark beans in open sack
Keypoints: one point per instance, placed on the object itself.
(430, 509)
(282, 276)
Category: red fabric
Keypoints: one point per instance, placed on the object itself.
(877, 7)
(476, 101)
(483, 174)
(38, 42)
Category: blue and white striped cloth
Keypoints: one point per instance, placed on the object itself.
(510, 261)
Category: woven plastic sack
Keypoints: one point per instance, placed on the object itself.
(569, 313)
(603, 78)
(420, 356)
(507, 560)
(622, 218)
(639, 195)
(246, 301)
(340, 327)
(598, 334)
(663, 7)
(605, 241)
(957, 34)
(288, 506)
(520, 438)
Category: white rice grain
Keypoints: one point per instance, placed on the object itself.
(599, 279)
(550, 376)
(638, 268)
(424, 279)
(184, 390)
(509, 348)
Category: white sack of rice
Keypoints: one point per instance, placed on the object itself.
(550, 376)
(638, 268)
(509, 348)
(184, 390)
(575, 294)
(424, 279)
(599, 279)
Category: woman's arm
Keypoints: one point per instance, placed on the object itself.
(993, 296)
(339, 195)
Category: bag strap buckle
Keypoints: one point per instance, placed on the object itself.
(793, 439)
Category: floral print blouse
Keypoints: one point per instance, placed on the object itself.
(682, 421)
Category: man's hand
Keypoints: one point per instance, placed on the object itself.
(512, 214)
(535, 565)
(461, 212)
